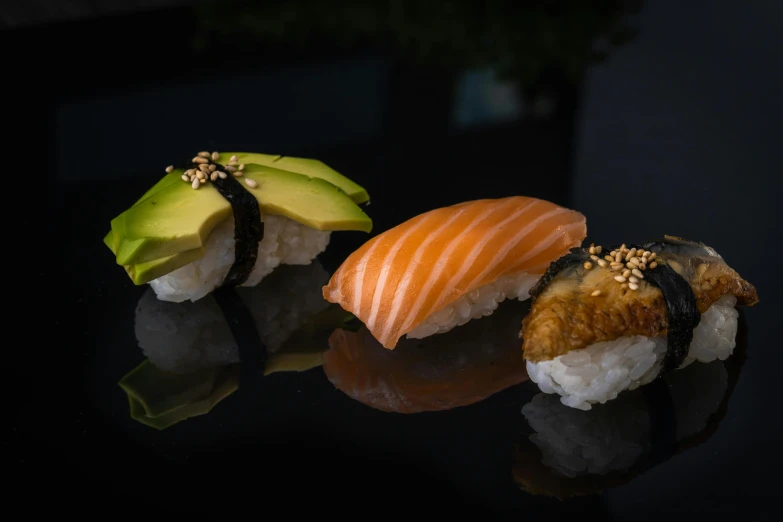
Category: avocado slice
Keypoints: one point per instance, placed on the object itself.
(176, 218)
(309, 167)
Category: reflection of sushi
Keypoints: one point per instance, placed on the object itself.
(185, 337)
(250, 213)
(442, 268)
(439, 373)
(575, 452)
(612, 320)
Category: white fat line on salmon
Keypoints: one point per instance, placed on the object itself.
(468, 262)
(411, 266)
(386, 265)
(500, 256)
(553, 236)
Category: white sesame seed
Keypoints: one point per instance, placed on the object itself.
(241, 166)
(202, 180)
(610, 259)
(619, 279)
(185, 177)
(633, 286)
(200, 160)
(232, 159)
(200, 175)
(594, 258)
(250, 183)
(626, 273)
(598, 249)
(617, 267)
(622, 247)
(204, 154)
(215, 156)
(595, 293)
(195, 184)
(229, 168)
(592, 248)
(213, 176)
(652, 256)
(636, 260)
(602, 263)
(212, 168)
(630, 254)
(222, 175)
(237, 174)
(169, 168)
(204, 168)
(615, 263)
(637, 273)
(632, 264)
(588, 265)
(633, 279)
(653, 265)
(618, 257)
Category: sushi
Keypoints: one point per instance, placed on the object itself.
(230, 222)
(605, 321)
(565, 452)
(439, 373)
(447, 266)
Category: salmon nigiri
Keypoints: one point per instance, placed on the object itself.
(447, 266)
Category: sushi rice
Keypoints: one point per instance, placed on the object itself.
(480, 302)
(285, 241)
(601, 371)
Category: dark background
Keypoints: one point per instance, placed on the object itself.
(676, 132)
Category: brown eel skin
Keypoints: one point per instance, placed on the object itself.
(564, 316)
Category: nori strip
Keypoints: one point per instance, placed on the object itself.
(248, 229)
(252, 351)
(683, 314)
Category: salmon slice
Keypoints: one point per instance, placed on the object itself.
(439, 373)
(399, 278)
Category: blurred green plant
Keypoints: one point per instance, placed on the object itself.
(517, 38)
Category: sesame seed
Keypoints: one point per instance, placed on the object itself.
(185, 177)
(594, 258)
(633, 279)
(624, 286)
(204, 168)
(652, 256)
(237, 174)
(630, 254)
(633, 286)
(588, 265)
(250, 183)
(200, 160)
(595, 293)
(632, 264)
(598, 249)
(653, 265)
(622, 248)
(241, 166)
(619, 279)
(229, 168)
(626, 273)
(204, 154)
(610, 259)
(213, 176)
(232, 159)
(618, 257)
(222, 175)
(636, 260)
(592, 248)
(195, 184)
(616, 263)
(617, 267)
(200, 175)
(212, 168)
(637, 273)
(215, 156)
(169, 168)
(602, 263)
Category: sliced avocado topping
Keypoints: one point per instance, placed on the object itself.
(309, 167)
(176, 219)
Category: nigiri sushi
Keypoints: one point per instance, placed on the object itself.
(604, 321)
(229, 222)
(447, 266)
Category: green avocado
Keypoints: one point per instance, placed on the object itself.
(170, 225)
(309, 167)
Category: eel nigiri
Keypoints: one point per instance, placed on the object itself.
(224, 220)
(605, 321)
(447, 266)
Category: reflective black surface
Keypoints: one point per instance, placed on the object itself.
(697, 157)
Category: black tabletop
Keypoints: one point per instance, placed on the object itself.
(694, 156)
